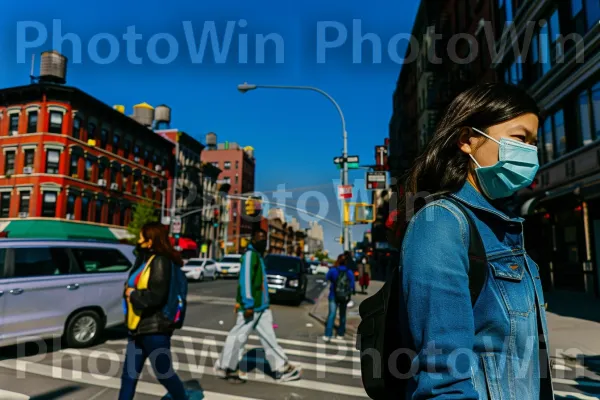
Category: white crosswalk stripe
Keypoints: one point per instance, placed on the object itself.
(6, 395)
(330, 369)
(196, 355)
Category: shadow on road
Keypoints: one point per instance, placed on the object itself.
(57, 394)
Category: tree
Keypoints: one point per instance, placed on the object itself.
(142, 214)
(321, 255)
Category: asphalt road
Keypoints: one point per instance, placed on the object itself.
(331, 371)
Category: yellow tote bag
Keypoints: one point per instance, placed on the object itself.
(133, 317)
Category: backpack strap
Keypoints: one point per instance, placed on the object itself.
(478, 268)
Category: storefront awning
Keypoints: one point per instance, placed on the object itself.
(55, 229)
(185, 244)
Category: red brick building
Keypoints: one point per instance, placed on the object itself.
(237, 167)
(67, 155)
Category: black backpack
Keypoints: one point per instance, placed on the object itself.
(381, 330)
(343, 291)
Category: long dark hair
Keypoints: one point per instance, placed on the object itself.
(442, 167)
(161, 244)
(341, 260)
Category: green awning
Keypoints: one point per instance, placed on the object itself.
(52, 229)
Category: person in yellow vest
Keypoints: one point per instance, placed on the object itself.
(146, 294)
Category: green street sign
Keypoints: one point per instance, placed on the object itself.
(350, 166)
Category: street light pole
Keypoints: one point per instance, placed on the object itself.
(246, 87)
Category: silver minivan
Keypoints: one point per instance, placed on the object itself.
(58, 288)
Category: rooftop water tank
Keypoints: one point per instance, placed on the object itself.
(53, 67)
(120, 108)
(143, 113)
(211, 140)
(162, 113)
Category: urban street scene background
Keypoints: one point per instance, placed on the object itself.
(300, 119)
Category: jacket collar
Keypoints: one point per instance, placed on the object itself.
(474, 199)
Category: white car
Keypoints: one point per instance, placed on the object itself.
(229, 265)
(198, 269)
(322, 270)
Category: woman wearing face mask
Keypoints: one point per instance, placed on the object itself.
(491, 345)
(149, 331)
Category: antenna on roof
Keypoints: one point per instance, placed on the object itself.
(31, 75)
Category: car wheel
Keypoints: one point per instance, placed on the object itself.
(300, 299)
(83, 329)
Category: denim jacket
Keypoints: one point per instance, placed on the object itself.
(494, 349)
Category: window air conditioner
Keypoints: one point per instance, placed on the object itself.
(28, 170)
(158, 168)
(114, 186)
(102, 182)
(23, 214)
(70, 216)
(136, 159)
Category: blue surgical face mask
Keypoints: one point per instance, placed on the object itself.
(516, 168)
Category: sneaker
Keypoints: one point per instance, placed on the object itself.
(229, 374)
(220, 372)
(326, 339)
(291, 373)
(338, 337)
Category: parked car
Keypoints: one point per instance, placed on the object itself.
(229, 265)
(312, 265)
(322, 269)
(58, 288)
(198, 269)
(287, 278)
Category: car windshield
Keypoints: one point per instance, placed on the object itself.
(282, 264)
(230, 260)
(195, 263)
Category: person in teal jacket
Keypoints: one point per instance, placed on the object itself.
(253, 314)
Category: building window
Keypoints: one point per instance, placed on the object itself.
(49, 204)
(71, 204)
(14, 124)
(76, 128)
(56, 122)
(227, 165)
(113, 175)
(560, 140)
(99, 205)
(73, 169)
(4, 204)
(237, 179)
(146, 155)
(9, 163)
(227, 180)
(111, 213)
(154, 158)
(548, 140)
(29, 158)
(122, 215)
(237, 164)
(127, 148)
(116, 143)
(85, 208)
(25, 196)
(103, 137)
(89, 169)
(215, 164)
(52, 161)
(588, 113)
(91, 134)
(136, 150)
(585, 14)
(101, 171)
(32, 122)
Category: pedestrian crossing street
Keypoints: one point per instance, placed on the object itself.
(330, 371)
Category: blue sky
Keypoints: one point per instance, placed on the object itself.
(295, 134)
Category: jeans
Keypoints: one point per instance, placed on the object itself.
(158, 349)
(333, 306)
(262, 324)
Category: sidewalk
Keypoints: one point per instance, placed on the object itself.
(573, 324)
(321, 307)
(573, 321)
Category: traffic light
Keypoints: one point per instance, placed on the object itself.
(253, 206)
(250, 209)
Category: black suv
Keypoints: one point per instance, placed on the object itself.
(287, 278)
